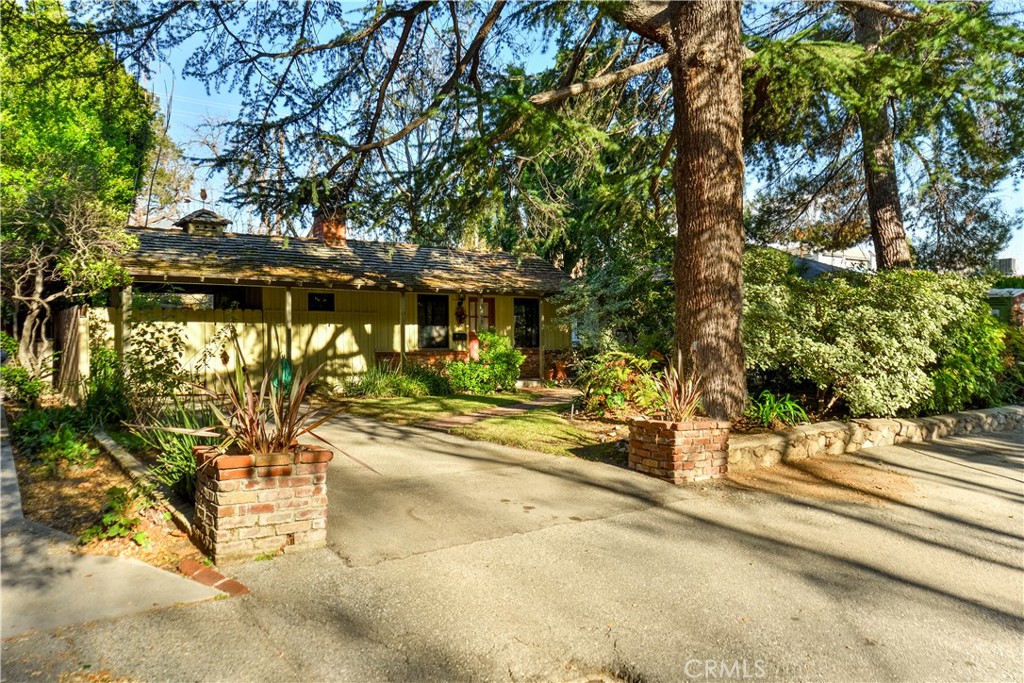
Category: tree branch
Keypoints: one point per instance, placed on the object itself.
(882, 8)
(442, 94)
(559, 94)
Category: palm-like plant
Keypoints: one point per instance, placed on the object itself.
(680, 394)
(268, 419)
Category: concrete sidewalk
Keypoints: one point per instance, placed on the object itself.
(46, 585)
(922, 581)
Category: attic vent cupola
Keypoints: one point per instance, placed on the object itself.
(203, 222)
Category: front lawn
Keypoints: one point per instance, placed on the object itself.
(410, 411)
(545, 430)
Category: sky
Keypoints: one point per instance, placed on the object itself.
(191, 106)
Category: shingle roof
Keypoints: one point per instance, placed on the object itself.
(175, 256)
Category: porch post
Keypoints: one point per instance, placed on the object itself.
(122, 299)
(288, 323)
(83, 343)
(401, 327)
(540, 335)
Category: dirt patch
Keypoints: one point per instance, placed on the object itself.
(74, 502)
(846, 480)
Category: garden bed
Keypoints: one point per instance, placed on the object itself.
(74, 502)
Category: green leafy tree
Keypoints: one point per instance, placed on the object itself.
(76, 129)
(326, 96)
(868, 119)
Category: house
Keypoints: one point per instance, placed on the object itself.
(350, 304)
(1007, 305)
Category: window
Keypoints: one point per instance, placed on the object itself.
(486, 315)
(432, 319)
(196, 297)
(527, 323)
(320, 301)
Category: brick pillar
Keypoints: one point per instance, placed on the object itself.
(251, 505)
(679, 452)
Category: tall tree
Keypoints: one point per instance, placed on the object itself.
(329, 80)
(872, 119)
(73, 152)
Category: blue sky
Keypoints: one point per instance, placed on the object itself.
(192, 106)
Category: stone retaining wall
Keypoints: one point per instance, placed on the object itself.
(251, 505)
(835, 438)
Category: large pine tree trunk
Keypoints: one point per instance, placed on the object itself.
(886, 214)
(705, 61)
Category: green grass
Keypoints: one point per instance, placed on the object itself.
(547, 431)
(424, 408)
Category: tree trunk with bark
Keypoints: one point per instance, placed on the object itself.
(891, 247)
(706, 56)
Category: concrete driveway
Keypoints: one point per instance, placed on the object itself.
(461, 561)
(407, 491)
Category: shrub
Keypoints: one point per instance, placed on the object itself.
(884, 344)
(769, 410)
(176, 467)
(121, 516)
(970, 359)
(149, 376)
(107, 397)
(617, 381)
(472, 377)
(1010, 381)
(502, 358)
(411, 382)
(15, 379)
(9, 344)
(56, 438)
(435, 383)
(19, 385)
(496, 370)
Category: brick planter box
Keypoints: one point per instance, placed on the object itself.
(679, 452)
(251, 505)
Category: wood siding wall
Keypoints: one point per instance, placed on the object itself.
(362, 324)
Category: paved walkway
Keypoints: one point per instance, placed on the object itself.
(463, 561)
(545, 399)
(47, 585)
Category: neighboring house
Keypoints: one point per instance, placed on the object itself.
(1007, 266)
(860, 258)
(1007, 305)
(350, 304)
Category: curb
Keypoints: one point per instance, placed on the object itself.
(138, 473)
(209, 576)
(10, 500)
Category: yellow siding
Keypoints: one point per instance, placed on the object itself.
(554, 336)
(346, 340)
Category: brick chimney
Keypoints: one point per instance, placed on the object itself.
(330, 224)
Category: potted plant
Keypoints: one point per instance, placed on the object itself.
(265, 423)
(259, 490)
(678, 445)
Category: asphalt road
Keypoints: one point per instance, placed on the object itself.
(462, 561)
